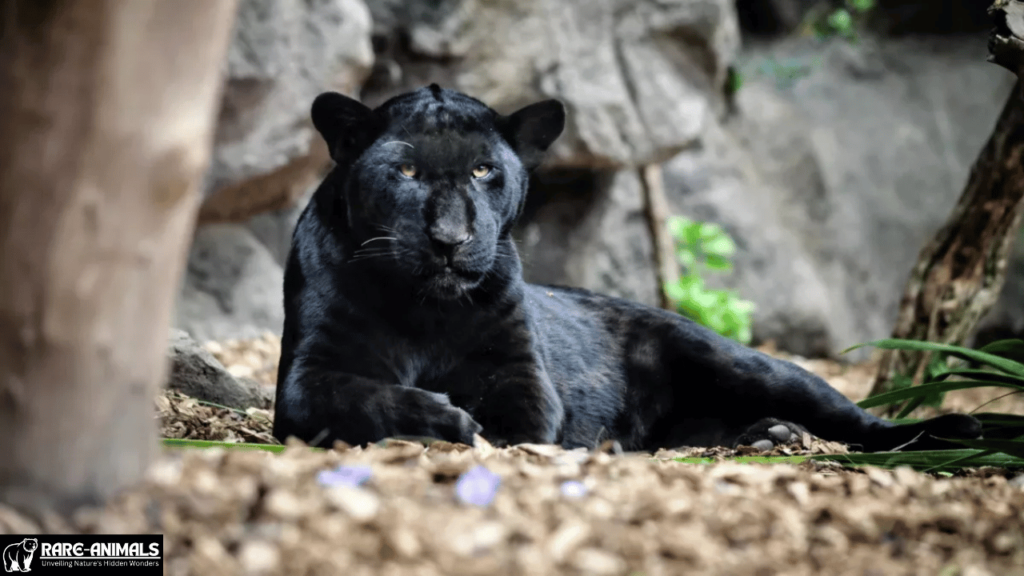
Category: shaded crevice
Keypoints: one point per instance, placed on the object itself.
(557, 203)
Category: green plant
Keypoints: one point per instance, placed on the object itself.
(992, 366)
(843, 22)
(702, 247)
(734, 81)
(823, 21)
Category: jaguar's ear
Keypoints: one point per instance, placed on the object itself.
(531, 130)
(345, 124)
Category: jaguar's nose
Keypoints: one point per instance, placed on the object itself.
(446, 244)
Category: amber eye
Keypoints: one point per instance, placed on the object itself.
(407, 170)
(481, 171)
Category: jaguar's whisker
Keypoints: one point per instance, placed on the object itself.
(378, 238)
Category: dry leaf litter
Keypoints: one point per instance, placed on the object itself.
(400, 507)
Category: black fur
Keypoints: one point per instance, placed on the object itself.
(406, 313)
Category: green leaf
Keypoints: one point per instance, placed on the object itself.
(960, 352)
(911, 406)
(722, 246)
(676, 225)
(716, 262)
(705, 300)
(840, 20)
(861, 5)
(692, 283)
(901, 381)
(925, 390)
(686, 258)
(1011, 348)
(691, 233)
(932, 460)
(675, 292)
(735, 81)
(1000, 419)
(982, 374)
(710, 231)
(1014, 448)
(744, 307)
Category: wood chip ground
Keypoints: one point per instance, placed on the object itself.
(235, 512)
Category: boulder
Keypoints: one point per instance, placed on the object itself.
(196, 373)
(232, 286)
(589, 229)
(267, 157)
(831, 180)
(266, 152)
(274, 228)
(638, 78)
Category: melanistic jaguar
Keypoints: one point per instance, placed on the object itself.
(406, 312)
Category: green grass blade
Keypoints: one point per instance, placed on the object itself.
(912, 405)
(930, 460)
(185, 443)
(1000, 419)
(1011, 348)
(999, 362)
(926, 390)
(989, 375)
(1013, 448)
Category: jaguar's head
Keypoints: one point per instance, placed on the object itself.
(434, 181)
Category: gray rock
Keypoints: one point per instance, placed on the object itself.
(232, 286)
(274, 229)
(281, 56)
(832, 182)
(196, 373)
(590, 231)
(638, 78)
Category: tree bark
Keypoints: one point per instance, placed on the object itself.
(961, 271)
(106, 112)
(658, 213)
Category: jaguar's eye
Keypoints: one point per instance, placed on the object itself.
(407, 170)
(481, 171)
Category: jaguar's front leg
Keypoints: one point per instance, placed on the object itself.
(520, 406)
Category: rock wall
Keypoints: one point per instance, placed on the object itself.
(831, 183)
(638, 77)
(831, 165)
(266, 156)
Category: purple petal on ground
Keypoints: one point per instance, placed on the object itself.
(344, 476)
(573, 489)
(478, 486)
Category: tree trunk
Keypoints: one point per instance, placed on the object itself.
(961, 271)
(106, 113)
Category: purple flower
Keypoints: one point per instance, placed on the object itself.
(478, 486)
(573, 489)
(351, 476)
